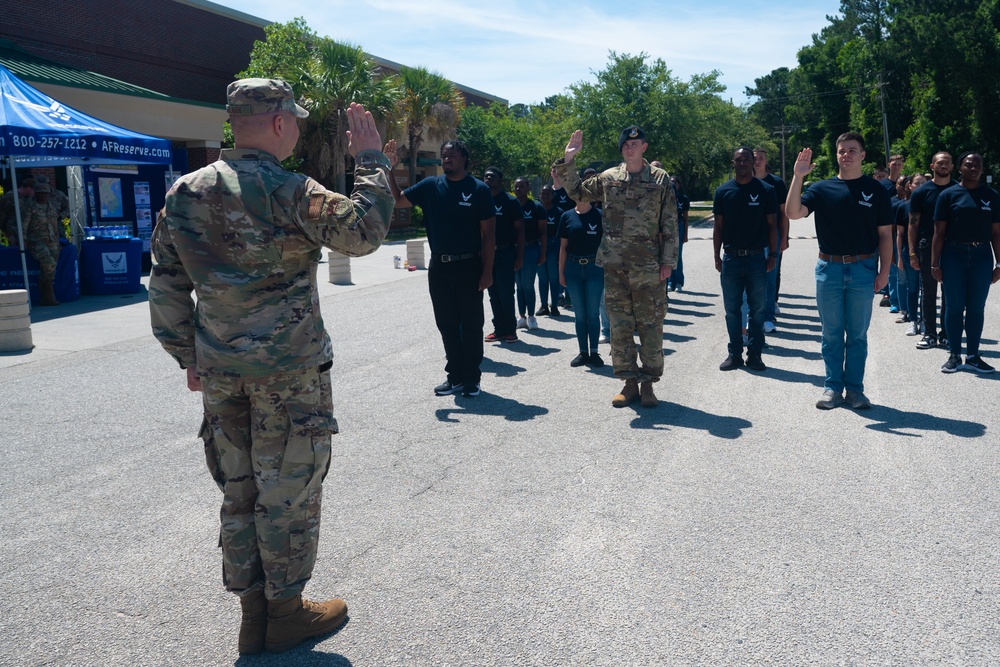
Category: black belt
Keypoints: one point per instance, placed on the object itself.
(844, 259)
(454, 258)
(744, 253)
(974, 244)
(582, 260)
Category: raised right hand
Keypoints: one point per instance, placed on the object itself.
(362, 135)
(574, 145)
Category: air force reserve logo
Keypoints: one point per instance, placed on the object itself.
(867, 199)
(114, 262)
(465, 199)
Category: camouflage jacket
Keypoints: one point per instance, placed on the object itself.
(245, 235)
(42, 224)
(8, 214)
(640, 214)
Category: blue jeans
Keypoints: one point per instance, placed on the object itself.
(502, 291)
(526, 279)
(771, 299)
(548, 275)
(744, 274)
(585, 286)
(966, 272)
(844, 300)
(910, 280)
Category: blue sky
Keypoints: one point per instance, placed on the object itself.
(526, 51)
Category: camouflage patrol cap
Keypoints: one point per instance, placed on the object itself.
(631, 132)
(249, 97)
(42, 188)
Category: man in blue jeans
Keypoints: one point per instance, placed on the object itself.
(745, 211)
(507, 258)
(853, 223)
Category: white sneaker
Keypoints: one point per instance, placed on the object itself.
(603, 339)
(913, 329)
(769, 327)
(532, 322)
(522, 323)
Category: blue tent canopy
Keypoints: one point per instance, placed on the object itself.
(36, 130)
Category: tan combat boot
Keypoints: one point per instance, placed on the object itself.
(254, 624)
(628, 394)
(291, 622)
(648, 398)
(47, 287)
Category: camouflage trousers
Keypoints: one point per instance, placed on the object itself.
(636, 301)
(267, 445)
(47, 255)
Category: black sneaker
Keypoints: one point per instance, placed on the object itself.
(595, 361)
(471, 390)
(943, 343)
(544, 310)
(731, 363)
(927, 342)
(554, 312)
(755, 363)
(579, 360)
(953, 364)
(446, 388)
(978, 365)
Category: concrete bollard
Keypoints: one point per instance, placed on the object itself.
(340, 268)
(415, 253)
(15, 321)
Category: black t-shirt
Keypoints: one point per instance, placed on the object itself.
(453, 211)
(584, 232)
(562, 200)
(889, 185)
(531, 213)
(744, 209)
(781, 194)
(683, 205)
(848, 214)
(507, 210)
(970, 214)
(901, 213)
(552, 217)
(923, 200)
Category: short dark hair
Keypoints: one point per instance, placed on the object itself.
(961, 158)
(459, 146)
(740, 149)
(851, 136)
(495, 170)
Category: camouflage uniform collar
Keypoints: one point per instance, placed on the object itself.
(231, 154)
(645, 175)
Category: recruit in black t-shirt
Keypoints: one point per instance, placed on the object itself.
(848, 214)
(744, 208)
(583, 232)
(507, 211)
(562, 200)
(453, 211)
(970, 214)
(923, 201)
(532, 212)
(552, 217)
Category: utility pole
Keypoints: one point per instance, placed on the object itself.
(885, 117)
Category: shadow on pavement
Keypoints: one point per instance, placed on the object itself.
(692, 313)
(490, 405)
(668, 415)
(545, 333)
(891, 420)
(789, 352)
(87, 304)
(500, 368)
(782, 375)
(523, 346)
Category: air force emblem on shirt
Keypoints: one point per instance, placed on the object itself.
(986, 204)
(867, 200)
(498, 210)
(592, 231)
(753, 200)
(465, 199)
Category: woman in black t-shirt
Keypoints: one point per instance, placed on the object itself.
(580, 232)
(964, 259)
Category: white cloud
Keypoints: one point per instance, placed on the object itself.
(524, 52)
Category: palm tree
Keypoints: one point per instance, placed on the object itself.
(430, 106)
(332, 77)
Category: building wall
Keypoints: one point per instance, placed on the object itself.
(163, 45)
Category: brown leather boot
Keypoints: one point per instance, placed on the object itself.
(291, 622)
(254, 624)
(647, 397)
(47, 287)
(627, 395)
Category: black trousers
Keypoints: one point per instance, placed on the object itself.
(458, 312)
(929, 303)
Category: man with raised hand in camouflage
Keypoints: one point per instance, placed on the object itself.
(638, 251)
(246, 236)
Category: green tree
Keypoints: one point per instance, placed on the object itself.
(430, 107)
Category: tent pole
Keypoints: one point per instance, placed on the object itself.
(20, 230)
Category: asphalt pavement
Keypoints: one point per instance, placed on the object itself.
(735, 524)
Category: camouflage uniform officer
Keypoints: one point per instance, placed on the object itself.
(42, 232)
(8, 213)
(58, 198)
(638, 250)
(246, 236)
